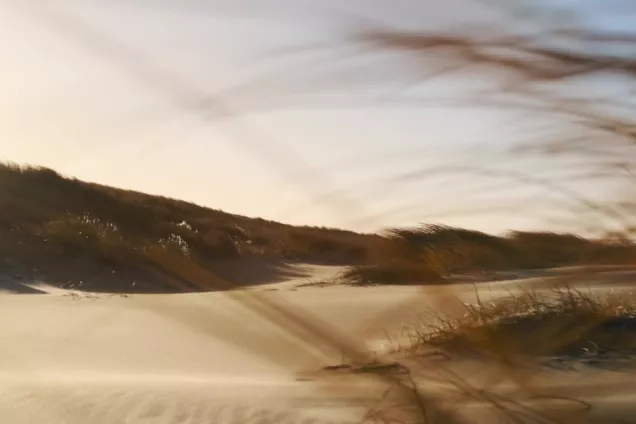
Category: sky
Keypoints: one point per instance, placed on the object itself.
(206, 101)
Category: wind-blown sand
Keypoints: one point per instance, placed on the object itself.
(208, 358)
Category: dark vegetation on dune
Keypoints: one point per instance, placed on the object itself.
(561, 323)
(433, 253)
(93, 237)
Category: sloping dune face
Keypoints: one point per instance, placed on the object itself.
(117, 360)
(173, 402)
(200, 358)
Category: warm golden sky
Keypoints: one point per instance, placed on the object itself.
(126, 93)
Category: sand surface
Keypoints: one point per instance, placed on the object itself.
(215, 357)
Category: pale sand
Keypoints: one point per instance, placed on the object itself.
(207, 358)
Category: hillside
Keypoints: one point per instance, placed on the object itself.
(94, 237)
(74, 234)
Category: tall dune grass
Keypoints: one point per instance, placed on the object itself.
(562, 322)
(429, 253)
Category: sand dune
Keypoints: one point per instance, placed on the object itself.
(197, 358)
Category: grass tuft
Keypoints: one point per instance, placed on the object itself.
(561, 323)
